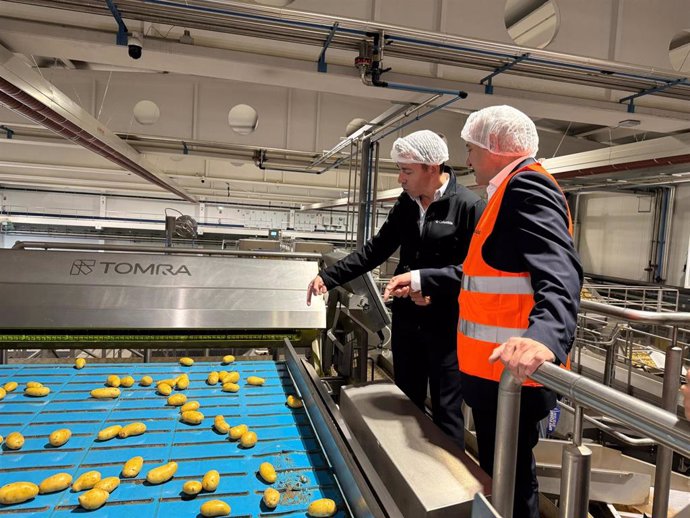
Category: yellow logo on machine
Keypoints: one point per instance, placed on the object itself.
(87, 266)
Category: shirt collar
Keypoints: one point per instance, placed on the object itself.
(437, 194)
(497, 180)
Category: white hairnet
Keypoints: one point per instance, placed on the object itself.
(503, 130)
(420, 147)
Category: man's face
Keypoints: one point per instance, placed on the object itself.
(415, 178)
(485, 164)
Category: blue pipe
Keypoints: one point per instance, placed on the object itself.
(121, 38)
(418, 117)
(423, 89)
(661, 243)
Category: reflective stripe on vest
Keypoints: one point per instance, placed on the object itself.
(493, 334)
(500, 285)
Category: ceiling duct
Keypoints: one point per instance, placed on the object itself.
(27, 93)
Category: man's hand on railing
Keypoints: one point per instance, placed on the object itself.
(522, 356)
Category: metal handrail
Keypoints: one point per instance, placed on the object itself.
(635, 315)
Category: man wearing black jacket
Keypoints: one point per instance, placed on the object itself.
(432, 224)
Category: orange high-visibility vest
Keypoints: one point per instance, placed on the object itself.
(494, 305)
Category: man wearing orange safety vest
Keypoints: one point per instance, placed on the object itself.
(521, 286)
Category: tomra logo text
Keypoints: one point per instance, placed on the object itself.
(85, 267)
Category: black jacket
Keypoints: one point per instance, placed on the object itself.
(444, 240)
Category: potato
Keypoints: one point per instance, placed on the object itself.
(215, 508)
(255, 380)
(113, 381)
(93, 499)
(1, 439)
(167, 381)
(3, 393)
(212, 378)
(126, 381)
(192, 487)
(131, 430)
(33, 384)
(79, 363)
(59, 437)
(231, 387)
(17, 492)
(232, 377)
(229, 358)
(161, 473)
(211, 480)
(146, 381)
(109, 432)
(105, 393)
(221, 425)
(248, 440)
(238, 431)
(108, 484)
(271, 498)
(321, 508)
(86, 481)
(189, 405)
(37, 391)
(14, 441)
(268, 472)
(177, 400)
(294, 402)
(132, 467)
(192, 417)
(164, 389)
(186, 361)
(182, 383)
(10, 386)
(54, 483)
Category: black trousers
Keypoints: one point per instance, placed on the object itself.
(425, 354)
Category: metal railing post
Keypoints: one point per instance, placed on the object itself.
(664, 455)
(505, 452)
(576, 465)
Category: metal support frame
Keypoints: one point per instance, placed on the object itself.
(630, 99)
(9, 132)
(363, 201)
(121, 38)
(322, 66)
(489, 87)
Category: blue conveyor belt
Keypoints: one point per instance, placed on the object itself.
(286, 439)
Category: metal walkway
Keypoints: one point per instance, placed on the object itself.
(286, 439)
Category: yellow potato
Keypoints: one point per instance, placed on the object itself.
(10, 386)
(59, 437)
(3, 393)
(232, 377)
(322, 507)
(37, 391)
(255, 380)
(161, 473)
(238, 431)
(33, 384)
(177, 400)
(221, 425)
(108, 484)
(186, 361)
(271, 498)
(93, 499)
(294, 402)
(192, 417)
(189, 405)
(17, 492)
(105, 393)
(167, 381)
(268, 472)
(212, 378)
(79, 363)
(109, 432)
(113, 381)
(131, 430)
(164, 389)
(127, 381)
(248, 440)
(146, 381)
(57, 482)
(215, 508)
(1, 439)
(86, 481)
(211, 480)
(192, 487)
(228, 359)
(132, 467)
(182, 383)
(231, 387)
(14, 441)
